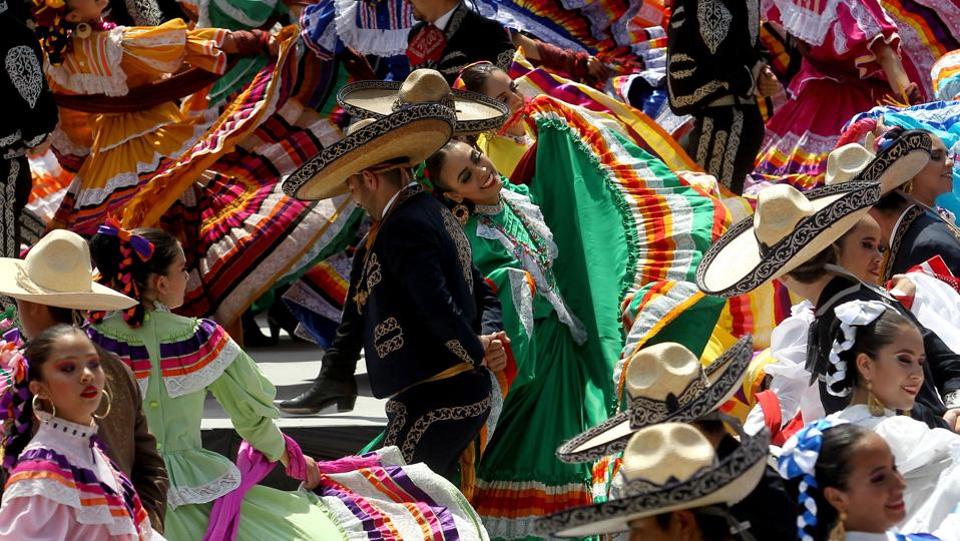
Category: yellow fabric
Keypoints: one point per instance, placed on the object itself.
(504, 152)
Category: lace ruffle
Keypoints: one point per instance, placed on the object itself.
(207, 492)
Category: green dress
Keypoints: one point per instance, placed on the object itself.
(563, 377)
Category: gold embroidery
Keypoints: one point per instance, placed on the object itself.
(442, 414)
(387, 337)
(373, 272)
(700, 93)
(457, 349)
(463, 246)
(399, 412)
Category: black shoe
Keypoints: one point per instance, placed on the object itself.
(253, 337)
(323, 393)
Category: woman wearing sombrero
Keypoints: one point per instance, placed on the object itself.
(790, 237)
(673, 485)
(666, 382)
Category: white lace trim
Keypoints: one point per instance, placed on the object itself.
(367, 40)
(496, 405)
(62, 142)
(805, 24)
(91, 83)
(522, 299)
(207, 492)
(184, 385)
(534, 217)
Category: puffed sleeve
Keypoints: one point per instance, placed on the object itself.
(164, 48)
(247, 397)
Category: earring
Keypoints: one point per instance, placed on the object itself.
(461, 213)
(839, 531)
(37, 410)
(83, 30)
(873, 403)
(109, 405)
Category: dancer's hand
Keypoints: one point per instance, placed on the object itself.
(767, 83)
(597, 69)
(495, 352)
(952, 417)
(313, 474)
(904, 285)
(911, 94)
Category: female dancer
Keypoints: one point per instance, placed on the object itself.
(61, 484)
(850, 485)
(177, 360)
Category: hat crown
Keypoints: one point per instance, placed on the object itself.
(60, 261)
(423, 86)
(667, 452)
(661, 370)
(779, 209)
(359, 125)
(846, 162)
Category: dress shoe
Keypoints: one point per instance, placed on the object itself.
(324, 392)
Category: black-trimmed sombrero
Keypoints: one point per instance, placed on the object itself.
(402, 139)
(664, 383)
(896, 163)
(475, 112)
(666, 467)
(787, 229)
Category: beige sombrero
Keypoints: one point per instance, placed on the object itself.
(666, 467)
(787, 229)
(892, 167)
(57, 272)
(475, 112)
(402, 139)
(665, 383)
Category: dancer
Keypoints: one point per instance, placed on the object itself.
(414, 294)
(62, 484)
(850, 484)
(53, 286)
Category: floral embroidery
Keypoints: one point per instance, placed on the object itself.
(387, 337)
(373, 272)
(423, 422)
(714, 19)
(457, 349)
(25, 74)
(399, 412)
(463, 246)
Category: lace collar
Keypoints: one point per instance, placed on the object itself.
(490, 210)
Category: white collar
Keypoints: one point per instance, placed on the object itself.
(896, 226)
(864, 536)
(394, 198)
(67, 438)
(441, 23)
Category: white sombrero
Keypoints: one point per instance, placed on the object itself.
(57, 272)
(666, 467)
(787, 230)
(665, 383)
(402, 139)
(475, 112)
(897, 162)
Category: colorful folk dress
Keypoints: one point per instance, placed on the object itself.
(65, 487)
(177, 360)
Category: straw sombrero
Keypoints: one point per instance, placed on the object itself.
(897, 162)
(402, 139)
(57, 272)
(666, 467)
(665, 383)
(475, 112)
(787, 229)
(844, 163)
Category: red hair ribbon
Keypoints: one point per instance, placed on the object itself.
(141, 245)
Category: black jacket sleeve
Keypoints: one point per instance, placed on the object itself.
(944, 364)
(340, 360)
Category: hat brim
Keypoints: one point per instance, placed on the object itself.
(731, 480)
(476, 113)
(98, 298)
(725, 375)
(403, 139)
(735, 265)
(900, 162)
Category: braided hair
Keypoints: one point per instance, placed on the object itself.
(126, 260)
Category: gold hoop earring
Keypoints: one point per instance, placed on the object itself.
(37, 409)
(839, 531)
(83, 30)
(109, 405)
(461, 213)
(873, 403)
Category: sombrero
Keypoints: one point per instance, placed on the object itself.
(787, 229)
(665, 383)
(402, 139)
(845, 162)
(666, 467)
(57, 272)
(899, 160)
(475, 112)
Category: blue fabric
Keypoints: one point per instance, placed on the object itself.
(942, 118)
(917, 537)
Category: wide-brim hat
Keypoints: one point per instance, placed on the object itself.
(845, 162)
(475, 112)
(666, 467)
(402, 139)
(57, 272)
(897, 162)
(664, 383)
(787, 229)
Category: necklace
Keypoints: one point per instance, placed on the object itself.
(538, 255)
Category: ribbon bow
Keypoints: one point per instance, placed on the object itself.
(851, 315)
(140, 245)
(12, 361)
(798, 459)
(7, 318)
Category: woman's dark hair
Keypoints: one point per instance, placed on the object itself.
(713, 526)
(115, 259)
(474, 77)
(834, 463)
(37, 354)
(431, 170)
(813, 269)
(870, 339)
(892, 202)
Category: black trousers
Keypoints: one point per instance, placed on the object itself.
(434, 422)
(14, 192)
(725, 141)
